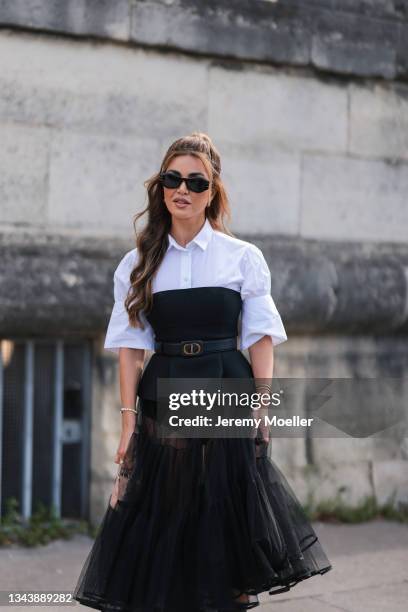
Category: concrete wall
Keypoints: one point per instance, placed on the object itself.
(352, 37)
(308, 105)
(83, 125)
(334, 463)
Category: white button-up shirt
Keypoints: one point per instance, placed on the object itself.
(210, 259)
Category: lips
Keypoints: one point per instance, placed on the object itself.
(181, 201)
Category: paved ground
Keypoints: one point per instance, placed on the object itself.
(370, 571)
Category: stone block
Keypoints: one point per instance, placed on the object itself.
(345, 43)
(255, 108)
(390, 478)
(367, 8)
(218, 29)
(100, 89)
(79, 17)
(263, 188)
(103, 190)
(24, 174)
(379, 120)
(353, 199)
(402, 50)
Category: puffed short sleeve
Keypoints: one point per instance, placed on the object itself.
(259, 315)
(119, 332)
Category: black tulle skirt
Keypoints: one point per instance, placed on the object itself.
(196, 525)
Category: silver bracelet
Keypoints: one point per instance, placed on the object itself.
(264, 386)
(135, 410)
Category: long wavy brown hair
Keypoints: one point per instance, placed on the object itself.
(152, 241)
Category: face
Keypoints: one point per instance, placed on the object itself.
(193, 204)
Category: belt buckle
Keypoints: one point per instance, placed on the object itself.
(192, 348)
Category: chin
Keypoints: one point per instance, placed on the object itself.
(182, 213)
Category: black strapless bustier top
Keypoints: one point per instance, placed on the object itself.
(198, 313)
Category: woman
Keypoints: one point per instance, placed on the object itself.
(193, 524)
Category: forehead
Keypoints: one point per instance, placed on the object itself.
(187, 164)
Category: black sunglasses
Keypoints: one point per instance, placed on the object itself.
(197, 184)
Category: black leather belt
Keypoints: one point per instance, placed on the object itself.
(192, 348)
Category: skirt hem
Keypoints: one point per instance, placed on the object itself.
(99, 603)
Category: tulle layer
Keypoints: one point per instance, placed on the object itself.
(192, 524)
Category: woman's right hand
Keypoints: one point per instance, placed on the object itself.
(123, 445)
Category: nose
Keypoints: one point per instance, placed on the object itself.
(183, 182)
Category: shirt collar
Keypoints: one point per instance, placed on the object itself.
(202, 238)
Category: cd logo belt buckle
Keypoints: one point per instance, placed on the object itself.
(192, 348)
